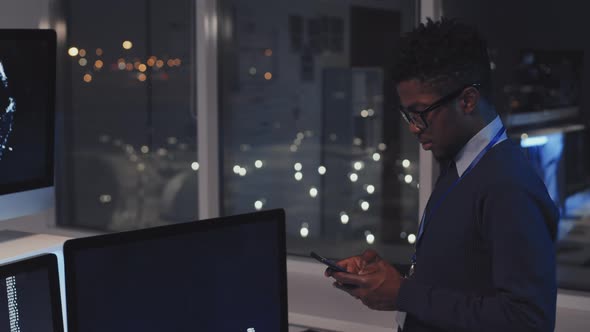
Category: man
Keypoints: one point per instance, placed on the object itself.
(485, 258)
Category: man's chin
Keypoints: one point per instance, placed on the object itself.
(439, 156)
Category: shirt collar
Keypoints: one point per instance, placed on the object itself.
(477, 143)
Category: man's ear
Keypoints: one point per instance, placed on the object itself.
(469, 100)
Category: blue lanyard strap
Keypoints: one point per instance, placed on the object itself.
(444, 196)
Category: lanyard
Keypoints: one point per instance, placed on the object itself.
(444, 196)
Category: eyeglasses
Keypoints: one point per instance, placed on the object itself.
(418, 118)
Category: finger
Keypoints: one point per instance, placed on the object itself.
(370, 256)
(350, 264)
(349, 278)
(328, 272)
(370, 269)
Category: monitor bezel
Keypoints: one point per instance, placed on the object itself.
(73, 246)
(46, 261)
(49, 36)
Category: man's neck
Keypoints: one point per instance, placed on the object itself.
(492, 133)
(478, 124)
(482, 119)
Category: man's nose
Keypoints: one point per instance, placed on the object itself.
(414, 129)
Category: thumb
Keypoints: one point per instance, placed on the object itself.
(369, 268)
(370, 256)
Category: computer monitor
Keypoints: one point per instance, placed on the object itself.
(30, 295)
(223, 274)
(27, 107)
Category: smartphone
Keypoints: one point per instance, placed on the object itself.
(331, 264)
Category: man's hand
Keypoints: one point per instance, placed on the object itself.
(370, 279)
(354, 264)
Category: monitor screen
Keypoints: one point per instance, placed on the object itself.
(224, 274)
(27, 89)
(30, 295)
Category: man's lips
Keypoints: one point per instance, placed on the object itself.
(426, 145)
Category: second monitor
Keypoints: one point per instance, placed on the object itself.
(30, 295)
(224, 274)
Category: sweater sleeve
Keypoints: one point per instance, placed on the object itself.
(523, 265)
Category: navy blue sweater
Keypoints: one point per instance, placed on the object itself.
(486, 260)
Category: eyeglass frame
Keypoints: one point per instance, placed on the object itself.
(411, 119)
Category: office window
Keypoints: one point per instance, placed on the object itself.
(130, 156)
(541, 71)
(308, 122)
